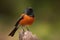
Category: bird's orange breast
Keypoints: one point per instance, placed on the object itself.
(27, 20)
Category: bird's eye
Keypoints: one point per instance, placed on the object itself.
(30, 9)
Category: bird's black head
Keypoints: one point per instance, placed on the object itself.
(29, 11)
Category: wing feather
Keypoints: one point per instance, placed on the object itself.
(17, 23)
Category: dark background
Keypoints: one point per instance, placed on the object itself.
(47, 18)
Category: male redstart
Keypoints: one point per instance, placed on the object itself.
(27, 18)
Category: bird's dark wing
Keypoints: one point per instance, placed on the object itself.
(15, 29)
(19, 20)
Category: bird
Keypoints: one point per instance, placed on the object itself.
(26, 18)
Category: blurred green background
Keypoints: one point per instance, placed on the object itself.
(47, 18)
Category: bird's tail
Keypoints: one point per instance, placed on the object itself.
(13, 32)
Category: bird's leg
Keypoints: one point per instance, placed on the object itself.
(23, 29)
(27, 27)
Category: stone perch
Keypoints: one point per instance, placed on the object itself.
(27, 35)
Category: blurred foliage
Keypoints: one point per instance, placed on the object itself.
(47, 18)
